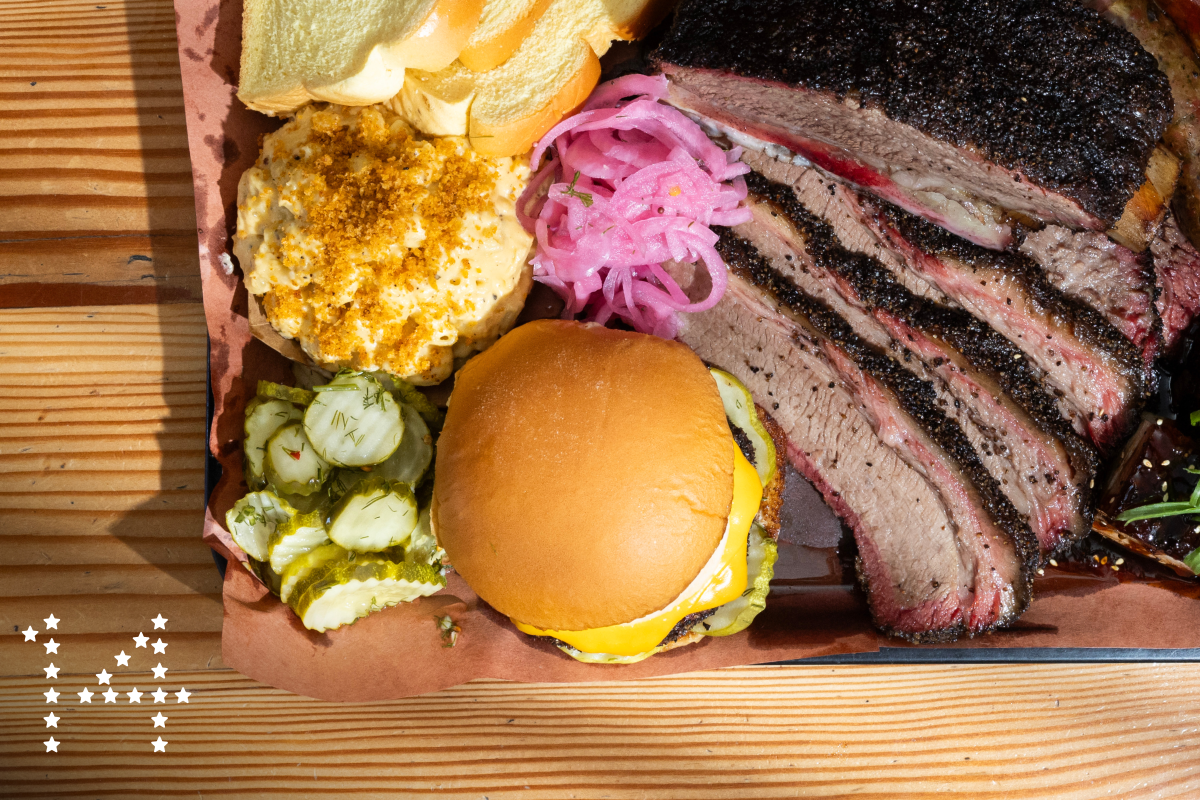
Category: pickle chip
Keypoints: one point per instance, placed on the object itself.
(337, 593)
(292, 394)
(739, 408)
(374, 515)
(302, 566)
(263, 418)
(412, 458)
(354, 421)
(292, 464)
(253, 520)
(294, 538)
(736, 615)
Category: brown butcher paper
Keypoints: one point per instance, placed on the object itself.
(813, 610)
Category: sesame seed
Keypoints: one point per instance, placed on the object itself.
(1041, 572)
(1016, 356)
(1053, 563)
(1164, 486)
(1166, 462)
(1116, 568)
(1119, 561)
(1146, 463)
(1158, 422)
(1092, 483)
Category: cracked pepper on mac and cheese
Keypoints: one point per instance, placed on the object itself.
(378, 249)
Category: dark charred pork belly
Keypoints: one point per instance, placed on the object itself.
(973, 115)
(1043, 468)
(942, 551)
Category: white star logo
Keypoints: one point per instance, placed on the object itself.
(51, 622)
(103, 677)
(51, 745)
(51, 671)
(86, 695)
(52, 720)
(160, 672)
(141, 639)
(159, 696)
(122, 660)
(51, 696)
(159, 623)
(159, 745)
(135, 696)
(110, 696)
(159, 720)
(183, 695)
(159, 647)
(30, 634)
(51, 647)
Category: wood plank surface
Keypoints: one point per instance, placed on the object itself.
(102, 479)
(753, 732)
(96, 201)
(101, 500)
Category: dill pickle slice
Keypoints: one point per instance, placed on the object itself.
(294, 538)
(736, 615)
(354, 421)
(253, 520)
(422, 545)
(302, 566)
(344, 480)
(374, 515)
(409, 395)
(292, 465)
(739, 408)
(338, 592)
(292, 394)
(412, 458)
(263, 418)
(606, 658)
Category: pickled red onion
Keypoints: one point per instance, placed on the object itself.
(632, 183)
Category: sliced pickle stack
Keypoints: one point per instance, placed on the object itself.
(334, 526)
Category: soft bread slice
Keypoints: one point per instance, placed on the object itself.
(506, 109)
(352, 52)
(503, 25)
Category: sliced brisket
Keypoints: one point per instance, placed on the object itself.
(971, 114)
(932, 560)
(1044, 469)
(1177, 266)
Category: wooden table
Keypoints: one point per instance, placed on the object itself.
(102, 375)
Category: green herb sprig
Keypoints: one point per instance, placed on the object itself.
(584, 197)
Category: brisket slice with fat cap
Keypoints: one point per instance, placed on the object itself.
(971, 114)
(1097, 376)
(1044, 469)
(938, 556)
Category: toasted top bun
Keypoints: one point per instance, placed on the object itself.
(584, 475)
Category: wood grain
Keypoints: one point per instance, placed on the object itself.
(96, 201)
(102, 413)
(1045, 731)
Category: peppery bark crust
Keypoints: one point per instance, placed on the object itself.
(915, 396)
(1042, 87)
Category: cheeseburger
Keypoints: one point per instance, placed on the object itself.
(606, 490)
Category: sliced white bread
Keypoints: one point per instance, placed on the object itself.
(503, 25)
(353, 52)
(506, 109)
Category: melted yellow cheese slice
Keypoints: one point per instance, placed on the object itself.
(722, 580)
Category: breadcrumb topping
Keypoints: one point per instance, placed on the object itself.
(380, 249)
